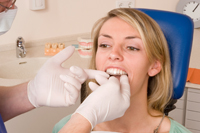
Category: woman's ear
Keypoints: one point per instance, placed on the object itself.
(154, 69)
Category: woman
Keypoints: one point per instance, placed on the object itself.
(128, 42)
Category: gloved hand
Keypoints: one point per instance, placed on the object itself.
(108, 101)
(47, 89)
(74, 80)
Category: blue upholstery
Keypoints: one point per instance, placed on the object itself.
(178, 30)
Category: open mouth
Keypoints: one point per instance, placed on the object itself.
(115, 72)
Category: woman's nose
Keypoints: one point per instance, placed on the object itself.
(116, 54)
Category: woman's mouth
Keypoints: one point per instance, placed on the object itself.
(115, 72)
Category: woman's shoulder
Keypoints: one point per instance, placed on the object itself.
(61, 123)
(177, 127)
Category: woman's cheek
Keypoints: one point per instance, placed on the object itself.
(100, 61)
(99, 65)
(131, 81)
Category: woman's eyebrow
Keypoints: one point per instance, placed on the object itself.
(105, 35)
(128, 37)
(132, 37)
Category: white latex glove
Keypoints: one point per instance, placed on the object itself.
(47, 89)
(74, 80)
(108, 101)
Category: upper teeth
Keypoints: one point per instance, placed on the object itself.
(115, 71)
(86, 47)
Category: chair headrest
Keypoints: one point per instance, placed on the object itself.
(178, 30)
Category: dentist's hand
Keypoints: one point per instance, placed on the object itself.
(74, 80)
(108, 101)
(47, 88)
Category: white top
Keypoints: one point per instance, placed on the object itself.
(103, 132)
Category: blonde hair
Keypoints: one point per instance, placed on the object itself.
(160, 85)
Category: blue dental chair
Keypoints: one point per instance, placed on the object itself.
(178, 30)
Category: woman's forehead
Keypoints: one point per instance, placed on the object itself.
(118, 26)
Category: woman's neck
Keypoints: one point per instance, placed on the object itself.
(136, 114)
(136, 119)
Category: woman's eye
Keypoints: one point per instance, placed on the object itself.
(104, 45)
(132, 48)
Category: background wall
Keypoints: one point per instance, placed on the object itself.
(66, 17)
(62, 18)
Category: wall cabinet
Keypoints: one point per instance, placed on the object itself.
(192, 119)
(187, 110)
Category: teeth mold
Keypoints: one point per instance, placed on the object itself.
(85, 47)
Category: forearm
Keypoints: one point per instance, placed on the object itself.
(77, 124)
(14, 101)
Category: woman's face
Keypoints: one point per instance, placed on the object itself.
(121, 51)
